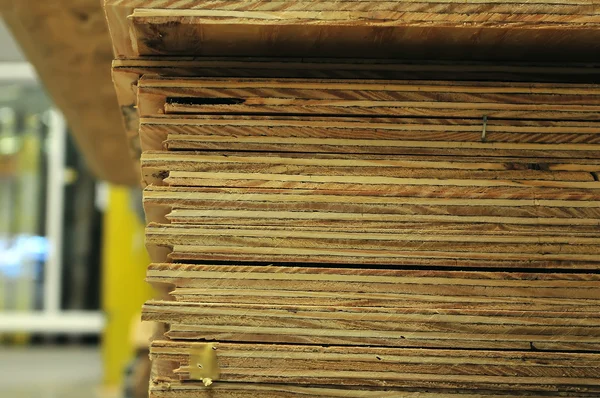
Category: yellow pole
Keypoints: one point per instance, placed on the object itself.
(124, 289)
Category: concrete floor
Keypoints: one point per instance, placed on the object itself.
(63, 372)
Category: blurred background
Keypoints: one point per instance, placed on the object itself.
(72, 255)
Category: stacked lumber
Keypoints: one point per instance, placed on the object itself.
(375, 228)
(399, 182)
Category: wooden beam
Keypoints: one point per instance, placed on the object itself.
(69, 45)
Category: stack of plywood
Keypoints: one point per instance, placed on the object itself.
(343, 228)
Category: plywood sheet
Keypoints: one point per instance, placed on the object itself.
(407, 29)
